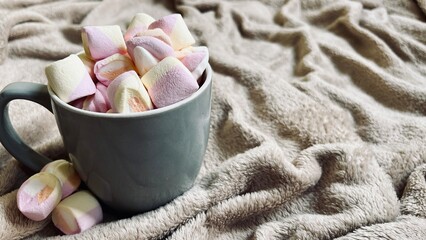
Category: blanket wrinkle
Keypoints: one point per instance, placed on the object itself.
(385, 88)
(317, 120)
(285, 181)
(17, 4)
(36, 21)
(11, 177)
(414, 197)
(327, 186)
(405, 227)
(422, 6)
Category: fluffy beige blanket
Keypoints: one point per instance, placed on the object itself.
(318, 118)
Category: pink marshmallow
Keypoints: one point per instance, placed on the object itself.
(102, 41)
(39, 195)
(77, 213)
(65, 172)
(127, 94)
(156, 47)
(174, 26)
(196, 60)
(169, 82)
(98, 102)
(78, 103)
(109, 68)
(139, 23)
(157, 33)
(69, 79)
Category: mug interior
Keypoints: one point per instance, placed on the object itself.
(206, 79)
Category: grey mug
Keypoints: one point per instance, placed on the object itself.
(131, 162)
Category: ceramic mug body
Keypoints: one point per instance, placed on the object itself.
(137, 162)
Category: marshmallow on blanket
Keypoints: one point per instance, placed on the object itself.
(155, 46)
(98, 102)
(39, 195)
(102, 41)
(195, 59)
(109, 68)
(139, 23)
(69, 79)
(169, 82)
(127, 94)
(174, 26)
(65, 172)
(77, 213)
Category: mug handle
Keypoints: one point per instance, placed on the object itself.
(8, 137)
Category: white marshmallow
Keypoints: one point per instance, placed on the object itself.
(77, 213)
(127, 94)
(69, 79)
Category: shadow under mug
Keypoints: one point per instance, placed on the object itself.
(131, 162)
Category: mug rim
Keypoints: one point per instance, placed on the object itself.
(152, 112)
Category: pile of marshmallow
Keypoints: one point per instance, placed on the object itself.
(51, 193)
(152, 66)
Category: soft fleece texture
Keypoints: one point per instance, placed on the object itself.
(318, 117)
